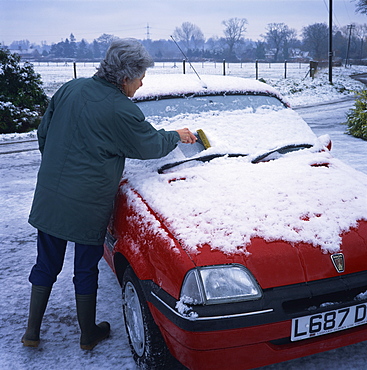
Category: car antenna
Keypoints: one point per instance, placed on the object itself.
(186, 58)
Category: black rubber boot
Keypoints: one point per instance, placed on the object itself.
(37, 307)
(92, 334)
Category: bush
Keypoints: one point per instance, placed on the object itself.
(22, 99)
(357, 117)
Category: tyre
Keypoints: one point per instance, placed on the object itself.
(146, 341)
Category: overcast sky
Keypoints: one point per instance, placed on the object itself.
(54, 20)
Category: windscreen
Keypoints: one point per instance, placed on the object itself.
(199, 104)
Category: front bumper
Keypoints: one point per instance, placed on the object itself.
(228, 351)
(255, 333)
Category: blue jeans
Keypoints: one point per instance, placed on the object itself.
(50, 258)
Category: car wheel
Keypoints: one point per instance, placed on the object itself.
(146, 341)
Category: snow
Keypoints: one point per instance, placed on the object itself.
(285, 199)
(297, 87)
(184, 84)
(185, 310)
(59, 347)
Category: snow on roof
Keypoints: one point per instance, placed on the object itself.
(179, 84)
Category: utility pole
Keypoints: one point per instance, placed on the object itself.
(331, 41)
(350, 27)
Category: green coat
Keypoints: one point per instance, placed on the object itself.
(88, 130)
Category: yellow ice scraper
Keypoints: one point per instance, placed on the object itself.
(203, 139)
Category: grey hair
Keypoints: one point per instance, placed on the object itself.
(125, 59)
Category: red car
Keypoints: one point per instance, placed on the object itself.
(245, 249)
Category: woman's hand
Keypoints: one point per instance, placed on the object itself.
(186, 136)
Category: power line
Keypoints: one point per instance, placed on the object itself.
(347, 12)
(335, 19)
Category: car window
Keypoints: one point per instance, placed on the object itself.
(199, 104)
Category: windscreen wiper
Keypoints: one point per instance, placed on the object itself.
(204, 158)
(282, 150)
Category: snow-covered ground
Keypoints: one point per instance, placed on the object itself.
(298, 86)
(59, 348)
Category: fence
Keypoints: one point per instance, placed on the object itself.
(255, 70)
(54, 74)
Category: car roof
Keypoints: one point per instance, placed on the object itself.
(160, 86)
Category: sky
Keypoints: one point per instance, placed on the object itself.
(53, 20)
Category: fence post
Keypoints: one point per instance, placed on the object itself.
(313, 68)
(184, 66)
(224, 67)
(74, 69)
(257, 69)
(285, 69)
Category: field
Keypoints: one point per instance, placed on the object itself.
(55, 74)
(291, 79)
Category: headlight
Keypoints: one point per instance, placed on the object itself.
(219, 284)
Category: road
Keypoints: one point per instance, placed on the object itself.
(329, 119)
(11, 147)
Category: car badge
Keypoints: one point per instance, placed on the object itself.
(338, 262)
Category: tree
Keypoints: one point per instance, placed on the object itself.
(83, 52)
(278, 36)
(361, 6)
(73, 46)
(357, 117)
(260, 52)
(315, 39)
(340, 43)
(68, 49)
(22, 99)
(104, 42)
(96, 51)
(360, 33)
(189, 35)
(234, 29)
(20, 45)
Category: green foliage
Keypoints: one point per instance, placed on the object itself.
(357, 117)
(22, 99)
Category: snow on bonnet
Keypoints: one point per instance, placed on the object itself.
(228, 201)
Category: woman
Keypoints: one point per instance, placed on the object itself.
(88, 130)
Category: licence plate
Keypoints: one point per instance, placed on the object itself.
(328, 322)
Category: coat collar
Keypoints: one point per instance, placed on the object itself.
(105, 82)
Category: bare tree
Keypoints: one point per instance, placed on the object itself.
(315, 39)
(360, 32)
(278, 36)
(20, 45)
(190, 36)
(361, 6)
(234, 31)
(104, 42)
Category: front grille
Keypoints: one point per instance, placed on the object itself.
(307, 298)
(322, 301)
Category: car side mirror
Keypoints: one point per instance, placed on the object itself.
(325, 140)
